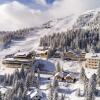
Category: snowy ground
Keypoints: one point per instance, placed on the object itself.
(72, 66)
(69, 90)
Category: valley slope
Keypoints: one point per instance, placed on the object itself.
(89, 20)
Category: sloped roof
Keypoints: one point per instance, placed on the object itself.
(22, 53)
(3, 90)
(36, 93)
(61, 74)
(13, 59)
(41, 51)
(93, 55)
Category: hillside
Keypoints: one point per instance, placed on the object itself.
(82, 34)
(88, 21)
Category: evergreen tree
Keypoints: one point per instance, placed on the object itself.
(21, 85)
(14, 97)
(78, 92)
(55, 95)
(98, 74)
(62, 97)
(11, 79)
(37, 82)
(38, 72)
(50, 95)
(73, 39)
(22, 72)
(58, 67)
(19, 93)
(24, 96)
(85, 88)
(28, 81)
(55, 83)
(1, 96)
(82, 75)
(91, 88)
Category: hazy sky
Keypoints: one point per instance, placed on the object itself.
(27, 13)
(90, 4)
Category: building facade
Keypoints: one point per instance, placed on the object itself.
(92, 60)
(18, 59)
(71, 55)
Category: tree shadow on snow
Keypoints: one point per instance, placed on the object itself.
(67, 91)
(45, 65)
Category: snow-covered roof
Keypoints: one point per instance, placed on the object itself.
(75, 53)
(22, 53)
(92, 55)
(70, 74)
(12, 59)
(9, 59)
(43, 48)
(36, 93)
(3, 90)
(2, 72)
(41, 51)
(58, 52)
(40, 48)
(61, 74)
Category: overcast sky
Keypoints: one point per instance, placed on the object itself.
(27, 13)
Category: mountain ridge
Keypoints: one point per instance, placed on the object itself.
(61, 25)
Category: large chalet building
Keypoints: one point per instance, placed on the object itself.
(71, 55)
(42, 52)
(19, 58)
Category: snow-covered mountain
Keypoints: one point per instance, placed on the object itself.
(87, 20)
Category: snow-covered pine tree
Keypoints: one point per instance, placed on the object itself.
(50, 94)
(16, 76)
(55, 83)
(94, 82)
(15, 86)
(85, 88)
(98, 74)
(55, 95)
(58, 67)
(75, 38)
(27, 81)
(78, 92)
(1, 96)
(7, 95)
(21, 85)
(19, 93)
(38, 72)
(11, 79)
(93, 97)
(37, 81)
(17, 73)
(30, 78)
(14, 97)
(5, 80)
(22, 72)
(62, 97)
(24, 95)
(91, 88)
(82, 75)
